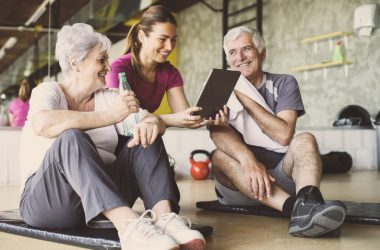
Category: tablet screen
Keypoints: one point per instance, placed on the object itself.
(216, 92)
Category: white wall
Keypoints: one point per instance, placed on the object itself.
(359, 143)
(9, 163)
(179, 143)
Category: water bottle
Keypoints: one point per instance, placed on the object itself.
(133, 118)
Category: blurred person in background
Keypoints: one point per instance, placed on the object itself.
(18, 108)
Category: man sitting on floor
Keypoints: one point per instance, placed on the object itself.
(258, 158)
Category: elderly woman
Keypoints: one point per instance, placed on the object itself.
(72, 171)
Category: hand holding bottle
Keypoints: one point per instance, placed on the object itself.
(131, 120)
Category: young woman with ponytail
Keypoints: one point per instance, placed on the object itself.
(148, 45)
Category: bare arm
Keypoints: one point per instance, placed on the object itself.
(177, 99)
(50, 123)
(10, 118)
(280, 128)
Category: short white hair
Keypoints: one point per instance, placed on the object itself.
(76, 41)
(234, 33)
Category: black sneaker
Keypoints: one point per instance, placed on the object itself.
(312, 218)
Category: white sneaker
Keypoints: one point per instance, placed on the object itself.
(141, 234)
(173, 225)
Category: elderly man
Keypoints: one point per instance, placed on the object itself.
(258, 158)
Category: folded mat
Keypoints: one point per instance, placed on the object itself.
(361, 213)
(94, 238)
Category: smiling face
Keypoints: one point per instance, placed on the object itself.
(159, 43)
(243, 56)
(94, 67)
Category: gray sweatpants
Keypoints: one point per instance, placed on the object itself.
(73, 185)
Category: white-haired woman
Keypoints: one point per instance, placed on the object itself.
(71, 169)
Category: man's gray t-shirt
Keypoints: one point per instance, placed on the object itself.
(280, 92)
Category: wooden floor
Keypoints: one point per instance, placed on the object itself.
(243, 232)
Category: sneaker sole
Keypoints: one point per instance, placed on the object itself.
(196, 244)
(324, 221)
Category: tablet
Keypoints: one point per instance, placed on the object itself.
(216, 92)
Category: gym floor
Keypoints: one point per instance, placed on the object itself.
(244, 232)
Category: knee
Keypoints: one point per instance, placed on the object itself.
(304, 139)
(157, 146)
(156, 149)
(158, 141)
(216, 171)
(216, 162)
(214, 157)
(72, 135)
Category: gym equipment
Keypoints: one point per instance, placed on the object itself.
(102, 237)
(199, 169)
(353, 116)
(360, 213)
(336, 162)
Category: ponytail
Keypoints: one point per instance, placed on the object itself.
(133, 45)
(24, 90)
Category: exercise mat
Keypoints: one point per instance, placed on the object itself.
(361, 213)
(93, 238)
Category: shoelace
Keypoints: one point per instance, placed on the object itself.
(166, 218)
(144, 225)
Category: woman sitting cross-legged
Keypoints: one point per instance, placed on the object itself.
(71, 170)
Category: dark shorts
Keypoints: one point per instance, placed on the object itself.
(228, 196)
(273, 162)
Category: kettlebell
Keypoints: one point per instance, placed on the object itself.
(199, 169)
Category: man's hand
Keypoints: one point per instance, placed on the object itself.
(257, 179)
(221, 119)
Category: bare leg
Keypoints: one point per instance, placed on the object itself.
(227, 171)
(161, 207)
(302, 162)
(118, 216)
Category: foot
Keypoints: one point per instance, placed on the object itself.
(173, 225)
(312, 218)
(142, 234)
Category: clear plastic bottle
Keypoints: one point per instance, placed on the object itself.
(133, 118)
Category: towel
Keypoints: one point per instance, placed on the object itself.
(245, 124)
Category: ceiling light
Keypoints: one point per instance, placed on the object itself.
(10, 43)
(38, 13)
(7, 45)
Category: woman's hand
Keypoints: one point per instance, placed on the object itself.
(185, 119)
(147, 130)
(123, 105)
